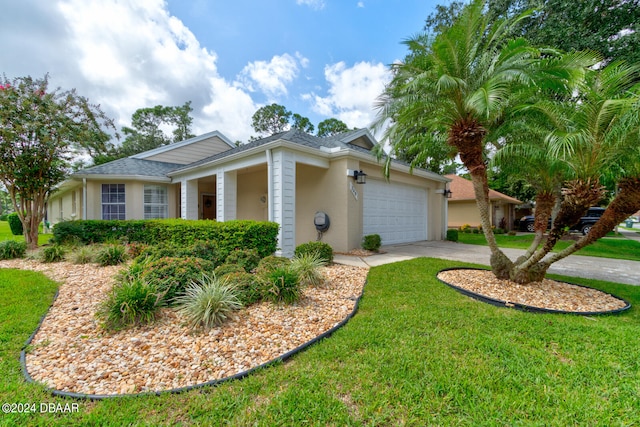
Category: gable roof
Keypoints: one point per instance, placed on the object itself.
(181, 144)
(130, 168)
(462, 189)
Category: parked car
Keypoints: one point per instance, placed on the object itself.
(584, 225)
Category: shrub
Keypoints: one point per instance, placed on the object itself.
(228, 235)
(499, 231)
(248, 286)
(82, 255)
(15, 224)
(130, 303)
(248, 259)
(321, 248)
(282, 285)
(475, 231)
(307, 267)
(203, 250)
(3, 217)
(134, 249)
(371, 242)
(53, 253)
(452, 235)
(112, 255)
(10, 249)
(511, 233)
(465, 228)
(207, 302)
(172, 275)
(270, 263)
(225, 269)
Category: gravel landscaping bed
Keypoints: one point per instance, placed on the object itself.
(72, 353)
(547, 294)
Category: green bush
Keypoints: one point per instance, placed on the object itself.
(203, 250)
(248, 259)
(452, 235)
(15, 224)
(270, 263)
(321, 248)
(498, 231)
(134, 249)
(83, 255)
(172, 275)
(10, 249)
(228, 235)
(225, 269)
(307, 267)
(207, 302)
(131, 303)
(475, 231)
(3, 217)
(53, 253)
(371, 242)
(248, 286)
(282, 285)
(112, 255)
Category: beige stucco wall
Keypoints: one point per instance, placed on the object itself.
(463, 212)
(134, 198)
(62, 206)
(252, 187)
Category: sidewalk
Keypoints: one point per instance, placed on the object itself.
(613, 270)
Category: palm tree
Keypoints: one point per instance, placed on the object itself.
(462, 84)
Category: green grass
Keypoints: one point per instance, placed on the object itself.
(608, 247)
(416, 353)
(5, 234)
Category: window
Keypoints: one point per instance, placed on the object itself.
(156, 202)
(113, 201)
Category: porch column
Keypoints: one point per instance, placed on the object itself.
(283, 174)
(226, 195)
(189, 199)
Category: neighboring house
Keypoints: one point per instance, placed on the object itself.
(463, 209)
(286, 178)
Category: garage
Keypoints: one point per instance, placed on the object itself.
(397, 212)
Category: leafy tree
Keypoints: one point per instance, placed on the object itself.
(40, 131)
(271, 119)
(146, 131)
(463, 84)
(330, 127)
(302, 123)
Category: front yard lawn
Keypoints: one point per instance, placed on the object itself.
(617, 248)
(416, 353)
(5, 234)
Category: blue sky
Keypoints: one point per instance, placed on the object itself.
(318, 58)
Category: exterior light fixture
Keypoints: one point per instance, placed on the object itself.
(360, 177)
(447, 193)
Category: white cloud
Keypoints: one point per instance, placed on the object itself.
(124, 56)
(352, 92)
(361, 4)
(314, 4)
(271, 77)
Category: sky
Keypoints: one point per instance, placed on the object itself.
(318, 58)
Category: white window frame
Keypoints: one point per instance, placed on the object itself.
(119, 190)
(155, 201)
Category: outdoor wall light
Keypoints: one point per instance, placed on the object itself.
(447, 193)
(360, 177)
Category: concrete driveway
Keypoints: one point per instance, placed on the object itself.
(613, 270)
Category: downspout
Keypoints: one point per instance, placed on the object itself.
(84, 198)
(445, 214)
(269, 185)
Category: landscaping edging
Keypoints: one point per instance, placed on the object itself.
(529, 308)
(239, 375)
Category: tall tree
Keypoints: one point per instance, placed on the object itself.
(147, 131)
(330, 127)
(462, 84)
(40, 131)
(271, 119)
(302, 123)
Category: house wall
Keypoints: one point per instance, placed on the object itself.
(65, 205)
(463, 212)
(252, 188)
(192, 152)
(134, 198)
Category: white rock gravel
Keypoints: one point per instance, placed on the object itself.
(548, 294)
(72, 353)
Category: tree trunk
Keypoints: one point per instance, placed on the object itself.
(468, 138)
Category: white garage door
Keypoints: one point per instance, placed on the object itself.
(397, 212)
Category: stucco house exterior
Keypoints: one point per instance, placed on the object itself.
(463, 209)
(286, 178)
